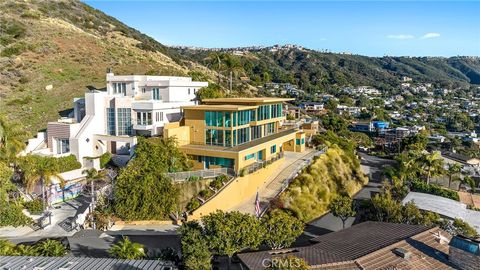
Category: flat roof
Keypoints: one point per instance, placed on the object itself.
(445, 207)
(78, 263)
(223, 107)
(258, 100)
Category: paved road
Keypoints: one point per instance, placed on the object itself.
(273, 184)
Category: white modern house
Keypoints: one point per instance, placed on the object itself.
(109, 119)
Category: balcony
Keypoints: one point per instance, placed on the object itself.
(143, 124)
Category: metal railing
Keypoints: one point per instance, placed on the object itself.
(293, 175)
(210, 173)
(261, 164)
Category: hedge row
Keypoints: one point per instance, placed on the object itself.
(419, 186)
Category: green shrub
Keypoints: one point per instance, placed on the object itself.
(419, 186)
(15, 49)
(206, 193)
(68, 163)
(194, 178)
(11, 215)
(463, 228)
(35, 207)
(216, 184)
(105, 159)
(193, 204)
(222, 178)
(50, 248)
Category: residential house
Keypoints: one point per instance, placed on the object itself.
(375, 245)
(108, 120)
(235, 133)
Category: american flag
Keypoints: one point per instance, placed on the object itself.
(257, 206)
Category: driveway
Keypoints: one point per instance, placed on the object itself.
(274, 184)
(62, 214)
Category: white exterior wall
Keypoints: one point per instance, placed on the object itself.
(85, 133)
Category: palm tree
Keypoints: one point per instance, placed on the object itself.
(43, 170)
(452, 170)
(12, 139)
(232, 65)
(126, 249)
(93, 175)
(50, 248)
(432, 165)
(467, 180)
(215, 60)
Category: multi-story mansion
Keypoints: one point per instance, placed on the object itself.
(108, 119)
(235, 132)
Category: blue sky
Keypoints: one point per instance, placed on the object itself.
(426, 28)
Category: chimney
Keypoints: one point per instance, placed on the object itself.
(464, 253)
(440, 238)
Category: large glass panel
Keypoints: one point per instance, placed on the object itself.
(235, 138)
(125, 121)
(220, 137)
(228, 138)
(208, 137)
(219, 119)
(111, 121)
(63, 146)
(228, 120)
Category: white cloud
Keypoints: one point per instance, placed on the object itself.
(401, 36)
(430, 35)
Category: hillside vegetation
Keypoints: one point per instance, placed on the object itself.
(313, 70)
(332, 174)
(69, 45)
(50, 51)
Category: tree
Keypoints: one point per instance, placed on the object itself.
(195, 247)
(215, 61)
(417, 142)
(342, 207)
(93, 175)
(468, 181)
(211, 91)
(7, 248)
(463, 228)
(231, 232)
(386, 209)
(142, 190)
(41, 170)
(432, 165)
(281, 229)
(12, 139)
(126, 249)
(452, 170)
(331, 105)
(50, 248)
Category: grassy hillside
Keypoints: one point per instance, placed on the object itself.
(69, 45)
(332, 174)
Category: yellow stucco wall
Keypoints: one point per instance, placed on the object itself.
(237, 191)
(181, 133)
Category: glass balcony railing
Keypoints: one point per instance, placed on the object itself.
(144, 122)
